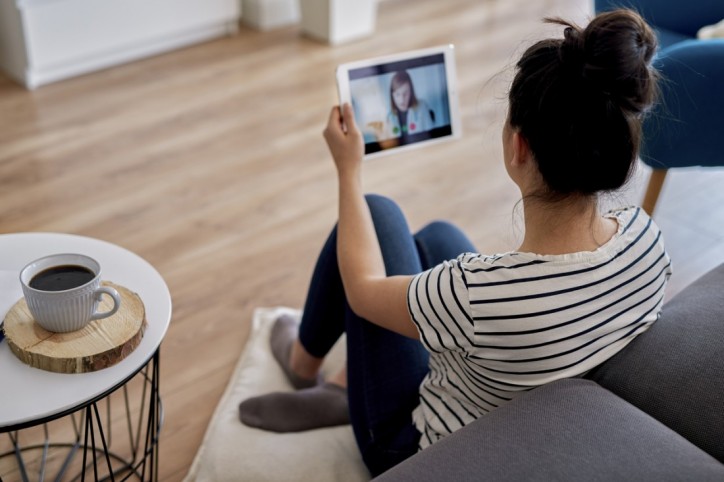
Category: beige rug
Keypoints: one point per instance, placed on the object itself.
(231, 451)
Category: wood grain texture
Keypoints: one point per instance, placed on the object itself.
(209, 163)
(100, 344)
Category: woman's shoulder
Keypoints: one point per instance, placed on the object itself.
(481, 264)
(495, 263)
(632, 221)
(421, 102)
(627, 212)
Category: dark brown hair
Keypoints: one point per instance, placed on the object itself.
(579, 102)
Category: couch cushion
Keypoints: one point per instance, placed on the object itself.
(569, 430)
(675, 371)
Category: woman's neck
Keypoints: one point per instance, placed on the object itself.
(562, 227)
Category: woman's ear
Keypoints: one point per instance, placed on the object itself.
(521, 150)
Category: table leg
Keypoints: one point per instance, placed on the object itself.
(131, 460)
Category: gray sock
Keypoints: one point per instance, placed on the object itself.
(317, 407)
(283, 334)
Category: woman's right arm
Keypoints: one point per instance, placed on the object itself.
(373, 295)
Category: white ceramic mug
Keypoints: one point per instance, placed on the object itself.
(68, 309)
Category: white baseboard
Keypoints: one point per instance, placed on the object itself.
(43, 41)
(52, 73)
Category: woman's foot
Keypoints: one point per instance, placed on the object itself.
(321, 406)
(283, 334)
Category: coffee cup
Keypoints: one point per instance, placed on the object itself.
(63, 291)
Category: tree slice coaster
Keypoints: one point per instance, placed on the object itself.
(100, 344)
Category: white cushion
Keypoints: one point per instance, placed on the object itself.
(231, 451)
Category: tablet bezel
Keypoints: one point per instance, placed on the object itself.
(448, 51)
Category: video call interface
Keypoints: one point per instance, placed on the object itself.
(401, 103)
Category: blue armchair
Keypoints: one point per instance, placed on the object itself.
(686, 128)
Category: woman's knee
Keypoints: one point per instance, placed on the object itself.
(379, 202)
(386, 214)
(439, 241)
(440, 228)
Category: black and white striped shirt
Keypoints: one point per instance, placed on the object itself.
(497, 326)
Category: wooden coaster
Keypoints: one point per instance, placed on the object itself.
(100, 344)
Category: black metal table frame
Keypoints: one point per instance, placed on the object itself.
(90, 421)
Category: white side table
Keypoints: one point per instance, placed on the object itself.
(30, 397)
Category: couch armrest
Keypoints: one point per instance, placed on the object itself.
(569, 430)
(675, 371)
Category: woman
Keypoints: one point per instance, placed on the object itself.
(436, 338)
(409, 115)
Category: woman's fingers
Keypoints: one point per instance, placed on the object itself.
(348, 116)
(345, 145)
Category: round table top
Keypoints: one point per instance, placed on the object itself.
(30, 394)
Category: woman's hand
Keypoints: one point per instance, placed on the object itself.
(344, 139)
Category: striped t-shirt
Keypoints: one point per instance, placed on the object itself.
(497, 326)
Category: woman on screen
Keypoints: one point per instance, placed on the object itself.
(437, 339)
(409, 115)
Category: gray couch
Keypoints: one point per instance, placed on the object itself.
(653, 412)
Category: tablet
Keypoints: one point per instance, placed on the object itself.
(403, 101)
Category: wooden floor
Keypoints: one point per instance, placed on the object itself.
(209, 163)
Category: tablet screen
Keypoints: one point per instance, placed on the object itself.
(403, 102)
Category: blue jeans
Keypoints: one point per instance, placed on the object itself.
(384, 369)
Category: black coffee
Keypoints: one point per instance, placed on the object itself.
(60, 278)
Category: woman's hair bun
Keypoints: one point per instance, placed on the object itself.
(579, 100)
(613, 53)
